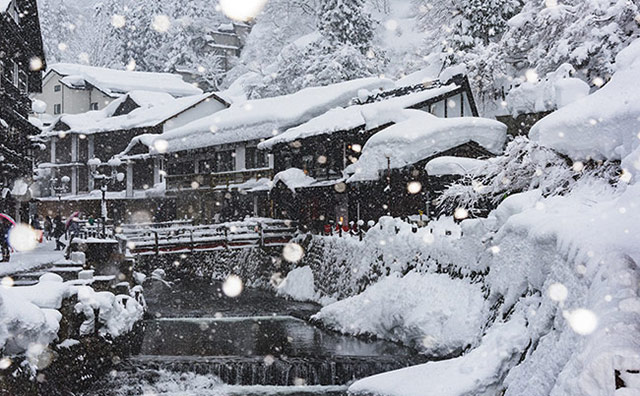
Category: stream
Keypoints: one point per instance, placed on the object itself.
(198, 341)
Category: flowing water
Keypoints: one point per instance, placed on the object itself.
(200, 342)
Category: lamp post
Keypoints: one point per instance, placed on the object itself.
(387, 155)
(106, 179)
(59, 186)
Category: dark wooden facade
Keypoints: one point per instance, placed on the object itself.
(21, 62)
(325, 157)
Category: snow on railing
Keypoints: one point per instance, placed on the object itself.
(176, 237)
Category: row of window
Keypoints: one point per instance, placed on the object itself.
(221, 161)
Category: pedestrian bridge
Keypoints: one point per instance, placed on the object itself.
(183, 237)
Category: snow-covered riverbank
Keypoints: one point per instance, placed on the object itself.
(560, 273)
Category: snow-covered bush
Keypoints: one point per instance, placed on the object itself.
(524, 166)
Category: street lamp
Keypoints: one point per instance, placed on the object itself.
(106, 179)
(387, 155)
(59, 186)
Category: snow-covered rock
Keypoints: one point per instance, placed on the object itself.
(432, 312)
(477, 373)
(298, 285)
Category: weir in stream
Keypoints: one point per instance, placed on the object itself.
(200, 342)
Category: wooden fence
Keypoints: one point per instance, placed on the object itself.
(183, 237)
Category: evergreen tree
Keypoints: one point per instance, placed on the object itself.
(344, 22)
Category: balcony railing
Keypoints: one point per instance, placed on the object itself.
(213, 180)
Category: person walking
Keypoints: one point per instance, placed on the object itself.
(58, 232)
(48, 227)
(4, 241)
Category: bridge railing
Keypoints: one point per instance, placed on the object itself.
(164, 238)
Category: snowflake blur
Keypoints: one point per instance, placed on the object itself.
(23, 238)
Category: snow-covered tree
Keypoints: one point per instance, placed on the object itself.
(345, 22)
(524, 166)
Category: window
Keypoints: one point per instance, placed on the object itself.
(13, 12)
(57, 108)
(23, 82)
(256, 159)
(57, 88)
(225, 161)
(94, 106)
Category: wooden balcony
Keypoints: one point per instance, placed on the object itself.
(217, 180)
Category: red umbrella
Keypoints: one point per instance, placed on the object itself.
(74, 215)
(7, 218)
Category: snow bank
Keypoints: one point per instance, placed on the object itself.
(298, 285)
(432, 312)
(563, 268)
(421, 136)
(603, 125)
(117, 82)
(478, 372)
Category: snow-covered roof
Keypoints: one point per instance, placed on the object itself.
(371, 115)
(446, 165)
(154, 109)
(4, 5)
(117, 82)
(294, 178)
(603, 125)
(420, 136)
(262, 118)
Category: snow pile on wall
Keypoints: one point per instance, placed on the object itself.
(298, 285)
(118, 314)
(421, 136)
(453, 166)
(556, 90)
(432, 312)
(30, 320)
(605, 124)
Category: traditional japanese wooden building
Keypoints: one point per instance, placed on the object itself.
(77, 161)
(326, 153)
(21, 63)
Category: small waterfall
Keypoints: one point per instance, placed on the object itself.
(278, 371)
